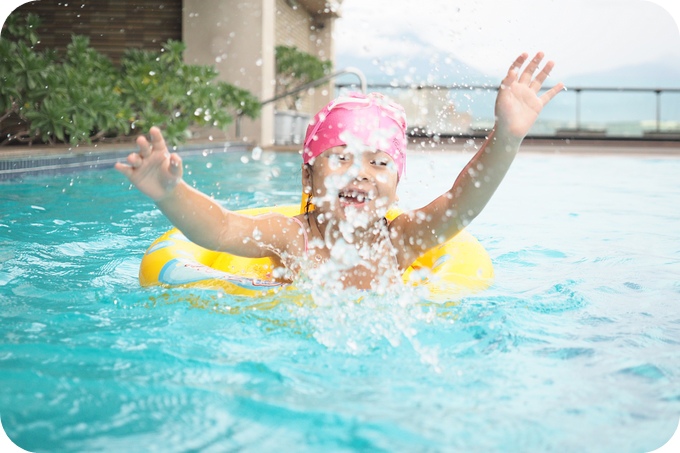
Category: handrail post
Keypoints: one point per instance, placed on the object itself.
(578, 109)
(658, 110)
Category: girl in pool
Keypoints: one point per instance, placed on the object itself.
(353, 159)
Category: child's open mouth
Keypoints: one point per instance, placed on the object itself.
(353, 197)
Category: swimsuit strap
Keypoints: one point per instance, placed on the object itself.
(304, 231)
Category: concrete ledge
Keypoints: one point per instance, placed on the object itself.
(20, 162)
(581, 133)
(662, 135)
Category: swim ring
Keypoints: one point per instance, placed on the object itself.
(459, 266)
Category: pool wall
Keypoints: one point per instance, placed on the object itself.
(33, 162)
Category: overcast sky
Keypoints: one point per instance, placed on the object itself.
(580, 35)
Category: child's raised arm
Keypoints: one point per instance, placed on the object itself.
(158, 174)
(518, 104)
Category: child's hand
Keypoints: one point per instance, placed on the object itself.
(518, 103)
(153, 170)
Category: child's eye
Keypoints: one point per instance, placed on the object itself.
(380, 162)
(338, 160)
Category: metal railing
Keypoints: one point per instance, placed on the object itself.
(576, 124)
(657, 91)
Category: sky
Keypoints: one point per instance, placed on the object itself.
(581, 36)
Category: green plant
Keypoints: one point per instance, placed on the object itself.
(82, 97)
(22, 72)
(78, 103)
(295, 68)
(56, 100)
(163, 90)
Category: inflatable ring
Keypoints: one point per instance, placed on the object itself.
(458, 266)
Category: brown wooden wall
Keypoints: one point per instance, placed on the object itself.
(111, 25)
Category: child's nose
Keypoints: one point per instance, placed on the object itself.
(364, 174)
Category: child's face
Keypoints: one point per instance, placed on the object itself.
(343, 180)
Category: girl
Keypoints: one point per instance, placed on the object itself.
(353, 159)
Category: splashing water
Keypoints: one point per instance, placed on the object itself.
(573, 349)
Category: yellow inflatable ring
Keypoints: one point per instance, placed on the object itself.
(456, 267)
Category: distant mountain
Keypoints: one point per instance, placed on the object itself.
(595, 108)
(432, 69)
(648, 75)
(444, 70)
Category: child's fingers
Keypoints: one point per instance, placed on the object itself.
(551, 93)
(157, 140)
(517, 64)
(134, 159)
(144, 146)
(528, 72)
(537, 83)
(175, 164)
(513, 70)
(124, 169)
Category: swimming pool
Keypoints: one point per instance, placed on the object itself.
(574, 348)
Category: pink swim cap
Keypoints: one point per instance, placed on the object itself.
(370, 121)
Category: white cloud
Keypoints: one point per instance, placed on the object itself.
(580, 35)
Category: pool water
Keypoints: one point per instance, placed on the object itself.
(576, 347)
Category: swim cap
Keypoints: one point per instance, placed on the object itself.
(363, 121)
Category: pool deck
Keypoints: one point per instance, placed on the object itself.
(20, 161)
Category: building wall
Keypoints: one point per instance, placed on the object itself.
(238, 37)
(295, 26)
(111, 25)
(292, 26)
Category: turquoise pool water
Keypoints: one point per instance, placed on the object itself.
(576, 347)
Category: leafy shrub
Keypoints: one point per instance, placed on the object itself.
(162, 90)
(83, 97)
(294, 68)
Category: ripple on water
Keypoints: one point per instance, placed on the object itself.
(647, 371)
(566, 353)
(530, 256)
(578, 334)
(558, 298)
